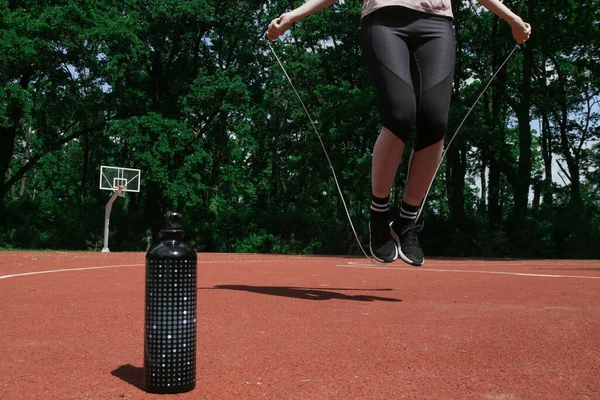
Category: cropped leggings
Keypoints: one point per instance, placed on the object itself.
(411, 56)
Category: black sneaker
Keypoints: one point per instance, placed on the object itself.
(404, 232)
(382, 245)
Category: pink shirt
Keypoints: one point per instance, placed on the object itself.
(437, 7)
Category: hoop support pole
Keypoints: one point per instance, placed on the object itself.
(107, 212)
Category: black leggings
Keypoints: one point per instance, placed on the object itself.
(411, 58)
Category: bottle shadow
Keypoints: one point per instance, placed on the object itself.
(307, 293)
(130, 374)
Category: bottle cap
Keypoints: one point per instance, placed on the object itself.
(172, 223)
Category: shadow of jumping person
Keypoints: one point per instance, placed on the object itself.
(306, 293)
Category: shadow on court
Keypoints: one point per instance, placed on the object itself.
(130, 374)
(306, 293)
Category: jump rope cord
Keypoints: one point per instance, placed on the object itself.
(326, 154)
(329, 160)
(458, 129)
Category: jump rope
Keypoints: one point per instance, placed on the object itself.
(374, 262)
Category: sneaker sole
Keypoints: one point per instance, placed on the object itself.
(381, 260)
(377, 258)
(399, 249)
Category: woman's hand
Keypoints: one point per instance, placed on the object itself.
(520, 30)
(278, 26)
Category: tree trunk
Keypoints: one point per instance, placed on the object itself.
(495, 147)
(537, 191)
(546, 144)
(456, 195)
(456, 163)
(523, 178)
(565, 144)
(547, 155)
(85, 141)
(483, 182)
(576, 187)
(8, 134)
(494, 205)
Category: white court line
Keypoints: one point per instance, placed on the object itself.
(420, 269)
(127, 265)
(349, 265)
(68, 269)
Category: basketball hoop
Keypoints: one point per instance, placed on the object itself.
(119, 181)
(111, 178)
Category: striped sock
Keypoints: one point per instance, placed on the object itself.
(380, 205)
(408, 212)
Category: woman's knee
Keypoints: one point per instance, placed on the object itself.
(400, 123)
(430, 131)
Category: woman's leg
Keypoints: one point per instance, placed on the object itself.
(388, 59)
(387, 154)
(433, 61)
(421, 169)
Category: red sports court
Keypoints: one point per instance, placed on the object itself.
(281, 327)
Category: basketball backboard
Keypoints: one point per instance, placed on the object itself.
(113, 177)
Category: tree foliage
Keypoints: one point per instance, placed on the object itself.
(189, 92)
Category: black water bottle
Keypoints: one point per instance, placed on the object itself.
(170, 319)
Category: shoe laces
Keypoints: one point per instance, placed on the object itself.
(419, 226)
(409, 233)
